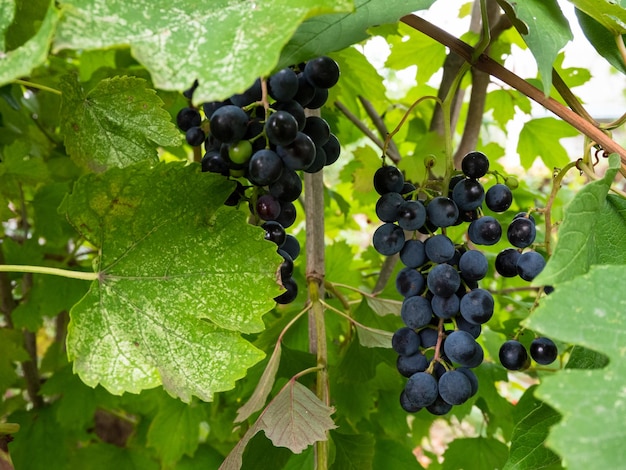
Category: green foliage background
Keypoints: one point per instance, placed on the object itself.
(162, 325)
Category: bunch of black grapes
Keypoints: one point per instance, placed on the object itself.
(265, 148)
(443, 308)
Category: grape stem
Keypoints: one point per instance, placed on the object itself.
(490, 66)
(556, 185)
(37, 86)
(15, 268)
(440, 338)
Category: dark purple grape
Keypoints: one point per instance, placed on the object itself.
(443, 280)
(265, 167)
(388, 239)
(214, 162)
(409, 282)
(411, 215)
(506, 262)
(283, 85)
(188, 118)
(286, 267)
(442, 211)
(460, 347)
(317, 129)
(322, 72)
(529, 265)
(428, 336)
(445, 307)
(212, 106)
(267, 207)
(485, 231)
(281, 128)
(413, 254)
(421, 389)
(439, 407)
(513, 355)
(521, 232)
(251, 95)
(468, 194)
(416, 312)
(290, 294)
(332, 149)
(409, 365)
(287, 215)
(439, 248)
(499, 198)
(318, 162)
(473, 265)
(228, 124)
(388, 179)
(475, 165)
(455, 387)
(299, 154)
(388, 205)
(477, 306)
(319, 99)
(291, 246)
(293, 108)
(274, 232)
(305, 92)
(543, 351)
(288, 187)
(405, 341)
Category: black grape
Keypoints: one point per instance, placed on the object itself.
(506, 262)
(498, 198)
(287, 215)
(468, 194)
(521, 232)
(439, 248)
(283, 85)
(251, 95)
(416, 313)
(439, 407)
(543, 350)
(388, 205)
(332, 149)
(455, 387)
(322, 72)
(293, 108)
(445, 307)
(265, 167)
(460, 347)
(228, 124)
(428, 336)
(305, 92)
(471, 328)
(299, 154)
(413, 254)
(286, 267)
(409, 365)
(388, 239)
(188, 118)
(442, 211)
(288, 187)
(443, 280)
(317, 129)
(477, 306)
(409, 282)
(214, 162)
(475, 165)
(529, 265)
(319, 98)
(485, 231)
(411, 215)
(513, 355)
(405, 341)
(472, 378)
(408, 405)
(291, 246)
(267, 207)
(421, 389)
(388, 179)
(281, 128)
(318, 162)
(274, 232)
(473, 265)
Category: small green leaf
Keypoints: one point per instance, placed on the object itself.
(19, 62)
(296, 418)
(587, 311)
(263, 388)
(103, 456)
(485, 453)
(176, 39)
(373, 337)
(593, 231)
(610, 14)
(602, 39)
(332, 32)
(533, 420)
(7, 12)
(118, 123)
(353, 451)
(384, 306)
(547, 32)
(168, 262)
(540, 138)
(394, 455)
(174, 431)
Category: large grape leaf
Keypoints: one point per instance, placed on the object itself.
(593, 231)
(587, 311)
(603, 40)
(117, 123)
(546, 31)
(225, 44)
(177, 280)
(332, 32)
(609, 13)
(19, 62)
(540, 134)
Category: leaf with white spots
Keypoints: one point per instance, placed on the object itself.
(224, 44)
(118, 123)
(175, 271)
(588, 311)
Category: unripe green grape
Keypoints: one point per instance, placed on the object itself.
(511, 182)
(240, 152)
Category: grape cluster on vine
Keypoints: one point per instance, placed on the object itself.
(264, 141)
(444, 308)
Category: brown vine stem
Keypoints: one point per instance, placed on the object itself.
(379, 123)
(315, 272)
(556, 185)
(493, 68)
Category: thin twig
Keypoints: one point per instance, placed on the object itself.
(379, 123)
(357, 122)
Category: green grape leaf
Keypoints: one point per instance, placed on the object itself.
(353, 451)
(19, 62)
(332, 32)
(588, 311)
(610, 14)
(173, 282)
(384, 306)
(176, 39)
(503, 103)
(373, 337)
(174, 431)
(394, 455)
(103, 456)
(593, 231)
(296, 418)
(7, 13)
(485, 453)
(546, 33)
(117, 123)
(601, 39)
(540, 138)
(263, 388)
(533, 420)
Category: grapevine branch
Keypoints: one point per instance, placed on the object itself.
(486, 64)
